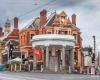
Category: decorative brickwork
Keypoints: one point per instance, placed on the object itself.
(54, 24)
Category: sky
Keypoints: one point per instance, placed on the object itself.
(87, 11)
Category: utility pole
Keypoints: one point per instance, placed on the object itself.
(93, 57)
(98, 58)
(94, 41)
(94, 44)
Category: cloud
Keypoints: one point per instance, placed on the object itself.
(87, 11)
(68, 2)
(88, 19)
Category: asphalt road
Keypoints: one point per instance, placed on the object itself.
(44, 76)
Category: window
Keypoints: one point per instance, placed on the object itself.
(62, 32)
(74, 36)
(49, 32)
(66, 32)
(62, 20)
(32, 35)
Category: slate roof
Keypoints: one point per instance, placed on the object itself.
(50, 19)
(33, 24)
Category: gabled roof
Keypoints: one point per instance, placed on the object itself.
(63, 13)
(35, 24)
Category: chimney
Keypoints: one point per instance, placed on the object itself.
(15, 22)
(43, 17)
(74, 19)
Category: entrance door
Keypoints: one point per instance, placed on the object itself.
(67, 61)
(59, 59)
(55, 61)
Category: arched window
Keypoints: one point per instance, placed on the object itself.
(62, 20)
(32, 35)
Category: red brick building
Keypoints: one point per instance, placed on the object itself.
(54, 24)
(7, 36)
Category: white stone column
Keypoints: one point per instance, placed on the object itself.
(20, 68)
(63, 57)
(28, 67)
(72, 59)
(47, 57)
(15, 67)
(34, 63)
(53, 51)
(11, 67)
(43, 59)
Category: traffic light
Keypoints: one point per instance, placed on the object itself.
(10, 50)
(93, 58)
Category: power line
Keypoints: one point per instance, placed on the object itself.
(35, 9)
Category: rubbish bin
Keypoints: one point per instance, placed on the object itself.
(1, 67)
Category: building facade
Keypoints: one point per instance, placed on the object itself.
(8, 36)
(54, 24)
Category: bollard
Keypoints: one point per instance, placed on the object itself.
(11, 67)
(55, 68)
(15, 67)
(29, 67)
(41, 68)
(20, 67)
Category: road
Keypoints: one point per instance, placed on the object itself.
(44, 76)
